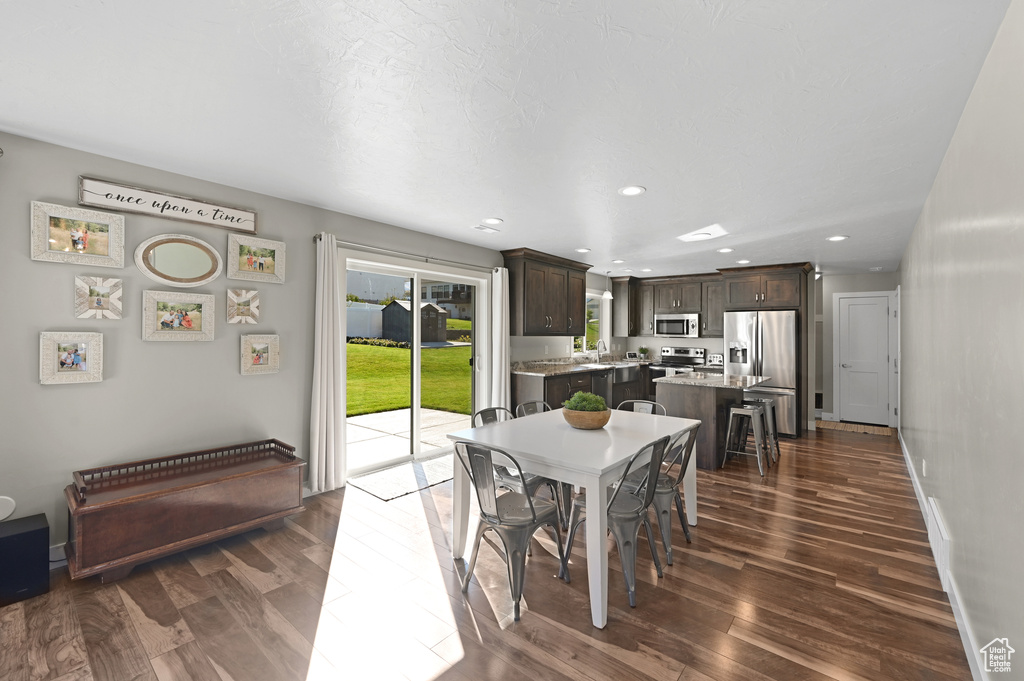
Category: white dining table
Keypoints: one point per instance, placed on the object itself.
(593, 459)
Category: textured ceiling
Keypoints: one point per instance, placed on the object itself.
(786, 121)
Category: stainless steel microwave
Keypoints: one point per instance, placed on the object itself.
(676, 325)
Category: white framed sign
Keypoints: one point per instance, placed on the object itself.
(128, 199)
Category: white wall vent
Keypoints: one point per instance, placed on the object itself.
(939, 540)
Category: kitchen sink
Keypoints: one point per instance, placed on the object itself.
(597, 366)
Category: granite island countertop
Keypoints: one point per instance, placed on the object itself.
(709, 379)
(563, 368)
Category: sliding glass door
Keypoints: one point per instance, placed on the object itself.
(409, 360)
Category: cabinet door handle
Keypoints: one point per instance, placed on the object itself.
(570, 322)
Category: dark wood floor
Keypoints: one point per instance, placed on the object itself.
(820, 571)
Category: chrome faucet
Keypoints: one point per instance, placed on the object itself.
(600, 342)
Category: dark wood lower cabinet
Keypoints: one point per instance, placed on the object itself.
(552, 389)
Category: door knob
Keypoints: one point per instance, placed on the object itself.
(846, 366)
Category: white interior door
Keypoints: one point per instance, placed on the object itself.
(862, 370)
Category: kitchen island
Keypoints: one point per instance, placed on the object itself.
(705, 396)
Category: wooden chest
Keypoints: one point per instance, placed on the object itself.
(123, 515)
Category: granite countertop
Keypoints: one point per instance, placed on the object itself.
(708, 379)
(543, 368)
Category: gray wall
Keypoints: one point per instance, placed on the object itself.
(156, 398)
(845, 283)
(962, 290)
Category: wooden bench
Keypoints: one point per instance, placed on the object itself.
(123, 515)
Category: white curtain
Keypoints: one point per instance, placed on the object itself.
(501, 394)
(326, 437)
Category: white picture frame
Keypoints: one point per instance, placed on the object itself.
(271, 270)
(130, 199)
(58, 365)
(98, 298)
(177, 316)
(243, 306)
(260, 354)
(99, 241)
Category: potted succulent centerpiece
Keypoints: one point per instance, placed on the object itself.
(586, 411)
(642, 350)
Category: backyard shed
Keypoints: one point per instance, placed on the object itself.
(396, 322)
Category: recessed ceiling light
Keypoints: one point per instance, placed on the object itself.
(485, 229)
(492, 221)
(838, 237)
(632, 190)
(583, 250)
(742, 262)
(874, 269)
(646, 269)
(725, 250)
(709, 232)
(627, 269)
(618, 262)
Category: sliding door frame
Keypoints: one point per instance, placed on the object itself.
(417, 271)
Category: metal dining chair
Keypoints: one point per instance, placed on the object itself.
(627, 512)
(527, 483)
(643, 407)
(513, 516)
(666, 490)
(532, 407)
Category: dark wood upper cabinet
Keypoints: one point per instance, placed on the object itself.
(712, 309)
(681, 296)
(547, 294)
(646, 310)
(777, 287)
(577, 303)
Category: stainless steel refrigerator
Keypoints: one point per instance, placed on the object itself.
(765, 344)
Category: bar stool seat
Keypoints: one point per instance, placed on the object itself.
(740, 417)
(769, 417)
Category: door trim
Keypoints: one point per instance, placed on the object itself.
(416, 270)
(893, 352)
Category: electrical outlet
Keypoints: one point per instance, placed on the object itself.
(545, 350)
(924, 468)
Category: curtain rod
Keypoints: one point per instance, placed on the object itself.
(424, 258)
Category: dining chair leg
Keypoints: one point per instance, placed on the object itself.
(472, 558)
(516, 542)
(682, 516)
(663, 507)
(575, 520)
(654, 549)
(625, 538)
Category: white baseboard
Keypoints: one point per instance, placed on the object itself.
(57, 557)
(970, 644)
(827, 416)
(817, 413)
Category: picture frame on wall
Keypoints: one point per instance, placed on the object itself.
(127, 198)
(260, 354)
(177, 316)
(70, 357)
(254, 259)
(78, 236)
(97, 298)
(243, 306)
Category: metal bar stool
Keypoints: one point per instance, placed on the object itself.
(735, 437)
(769, 417)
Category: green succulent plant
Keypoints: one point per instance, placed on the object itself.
(584, 401)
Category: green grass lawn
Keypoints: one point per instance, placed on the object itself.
(461, 324)
(379, 379)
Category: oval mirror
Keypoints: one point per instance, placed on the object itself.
(178, 260)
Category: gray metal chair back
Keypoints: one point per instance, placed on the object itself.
(491, 415)
(513, 516)
(532, 407)
(643, 407)
(666, 491)
(627, 510)
(651, 468)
